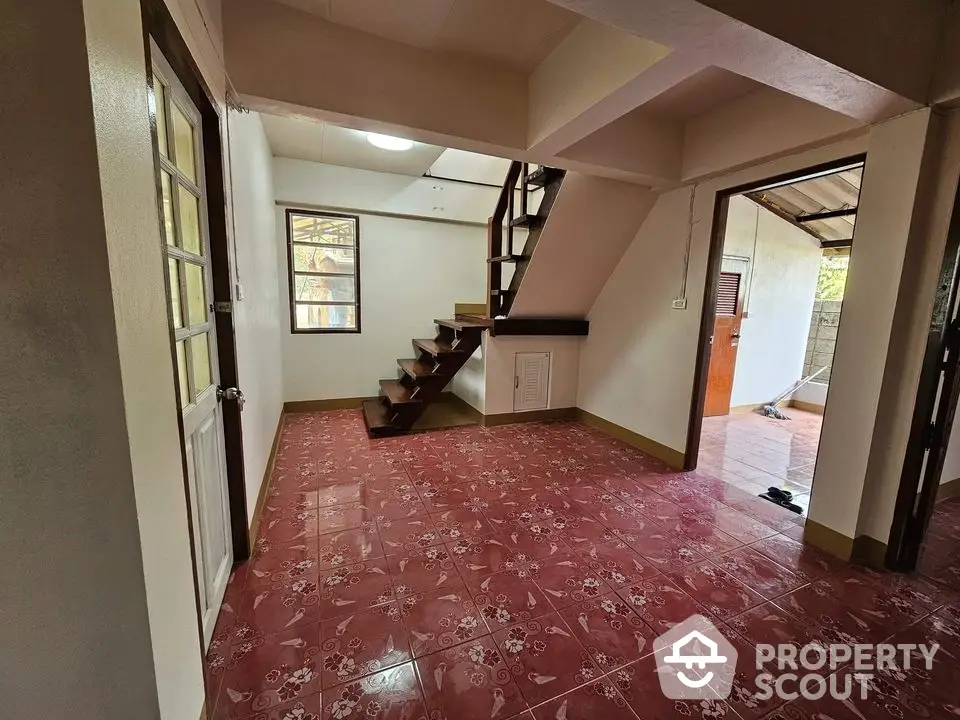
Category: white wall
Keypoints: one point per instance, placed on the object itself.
(782, 283)
(257, 317)
(951, 462)
(353, 189)
(637, 363)
(75, 637)
(500, 359)
(411, 271)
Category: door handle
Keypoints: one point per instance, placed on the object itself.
(231, 393)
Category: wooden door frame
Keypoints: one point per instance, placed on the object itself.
(159, 26)
(714, 261)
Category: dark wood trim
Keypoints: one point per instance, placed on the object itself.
(938, 393)
(160, 26)
(294, 330)
(569, 413)
(760, 200)
(673, 458)
(830, 244)
(265, 483)
(789, 178)
(714, 261)
(539, 326)
(428, 176)
(949, 489)
(309, 406)
(708, 311)
(826, 215)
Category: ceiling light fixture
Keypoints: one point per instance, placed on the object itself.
(388, 142)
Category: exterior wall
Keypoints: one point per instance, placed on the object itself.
(411, 271)
(257, 317)
(781, 283)
(822, 340)
(637, 363)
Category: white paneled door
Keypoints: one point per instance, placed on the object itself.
(181, 187)
(531, 381)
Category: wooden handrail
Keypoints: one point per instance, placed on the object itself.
(503, 211)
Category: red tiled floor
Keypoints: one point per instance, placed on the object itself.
(524, 571)
(469, 682)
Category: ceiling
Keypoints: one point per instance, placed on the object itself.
(322, 142)
(800, 201)
(699, 93)
(513, 33)
(334, 145)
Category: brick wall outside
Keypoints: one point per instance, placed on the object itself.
(822, 338)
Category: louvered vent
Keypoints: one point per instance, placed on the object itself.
(727, 293)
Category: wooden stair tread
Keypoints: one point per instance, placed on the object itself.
(416, 369)
(396, 392)
(526, 221)
(434, 347)
(543, 176)
(458, 324)
(376, 416)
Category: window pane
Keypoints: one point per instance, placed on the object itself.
(323, 259)
(315, 317)
(175, 293)
(166, 189)
(182, 374)
(330, 230)
(324, 289)
(190, 221)
(196, 296)
(200, 350)
(183, 143)
(160, 101)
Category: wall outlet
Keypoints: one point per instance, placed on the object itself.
(679, 303)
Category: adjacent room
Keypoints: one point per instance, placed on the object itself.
(786, 250)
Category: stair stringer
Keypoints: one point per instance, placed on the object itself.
(590, 225)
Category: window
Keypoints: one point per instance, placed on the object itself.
(324, 256)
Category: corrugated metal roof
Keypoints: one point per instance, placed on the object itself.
(838, 191)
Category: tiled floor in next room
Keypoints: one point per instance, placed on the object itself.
(524, 571)
(754, 452)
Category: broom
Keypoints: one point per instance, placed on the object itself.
(772, 411)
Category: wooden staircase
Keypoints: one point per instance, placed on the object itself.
(507, 217)
(422, 379)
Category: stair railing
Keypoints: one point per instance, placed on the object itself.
(503, 215)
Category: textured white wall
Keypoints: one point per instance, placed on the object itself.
(636, 365)
(781, 288)
(257, 318)
(75, 635)
(500, 358)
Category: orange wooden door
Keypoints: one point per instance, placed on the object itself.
(723, 348)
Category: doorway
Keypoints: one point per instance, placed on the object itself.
(189, 173)
(181, 185)
(771, 318)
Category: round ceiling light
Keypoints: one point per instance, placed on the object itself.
(388, 142)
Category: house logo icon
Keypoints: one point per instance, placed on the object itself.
(695, 661)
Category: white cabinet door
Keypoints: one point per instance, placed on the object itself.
(531, 381)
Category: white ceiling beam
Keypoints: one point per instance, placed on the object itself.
(279, 56)
(717, 39)
(588, 80)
